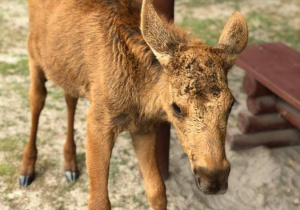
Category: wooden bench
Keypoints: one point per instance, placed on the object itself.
(272, 85)
(165, 8)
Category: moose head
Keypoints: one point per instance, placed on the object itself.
(196, 96)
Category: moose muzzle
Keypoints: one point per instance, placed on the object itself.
(212, 179)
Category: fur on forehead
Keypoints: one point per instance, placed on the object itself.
(199, 56)
(198, 71)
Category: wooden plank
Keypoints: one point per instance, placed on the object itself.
(291, 54)
(287, 137)
(288, 112)
(165, 8)
(277, 67)
(248, 123)
(163, 148)
(262, 104)
(253, 88)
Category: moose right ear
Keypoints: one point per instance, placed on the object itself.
(156, 33)
(234, 37)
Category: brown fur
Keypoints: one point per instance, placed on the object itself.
(134, 74)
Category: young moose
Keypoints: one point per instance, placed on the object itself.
(137, 70)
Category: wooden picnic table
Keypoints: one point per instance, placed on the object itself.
(277, 67)
(272, 84)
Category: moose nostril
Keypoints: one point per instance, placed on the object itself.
(214, 188)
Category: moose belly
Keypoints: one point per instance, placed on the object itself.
(72, 81)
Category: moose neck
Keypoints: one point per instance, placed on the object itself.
(155, 97)
(135, 66)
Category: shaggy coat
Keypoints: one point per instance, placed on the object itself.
(137, 70)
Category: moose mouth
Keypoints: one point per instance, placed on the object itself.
(211, 189)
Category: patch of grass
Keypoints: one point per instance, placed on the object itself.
(267, 28)
(49, 163)
(55, 93)
(10, 144)
(9, 172)
(20, 68)
(11, 36)
(50, 105)
(140, 204)
(23, 118)
(121, 202)
(290, 36)
(80, 157)
(64, 188)
(207, 30)
(22, 1)
(114, 168)
(199, 3)
(263, 27)
(22, 90)
(7, 169)
(1, 17)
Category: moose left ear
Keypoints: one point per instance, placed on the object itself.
(234, 37)
(156, 33)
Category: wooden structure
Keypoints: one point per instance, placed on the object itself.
(272, 85)
(165, 8)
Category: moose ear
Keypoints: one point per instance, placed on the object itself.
(234, 36)
(156, 33)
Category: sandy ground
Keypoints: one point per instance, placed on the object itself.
(261, 178)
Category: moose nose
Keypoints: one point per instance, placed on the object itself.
(213, 180)
(212, 188)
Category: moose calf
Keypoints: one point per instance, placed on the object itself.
(137, 70)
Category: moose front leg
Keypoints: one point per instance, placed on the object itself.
(99, 144)
(144, 147)
(70, 167)
(37, 97)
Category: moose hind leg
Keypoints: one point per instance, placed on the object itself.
(145, 149)
(70, 166)
(37, 97)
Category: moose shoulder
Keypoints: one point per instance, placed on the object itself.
(137, 70)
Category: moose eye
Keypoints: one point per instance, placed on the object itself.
(176, 108)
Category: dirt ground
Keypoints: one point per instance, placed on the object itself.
(260, 179)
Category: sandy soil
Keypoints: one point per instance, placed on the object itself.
(261, 178)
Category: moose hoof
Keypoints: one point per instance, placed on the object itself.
(71, 176)
(25, 180)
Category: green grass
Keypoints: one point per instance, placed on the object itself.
(11, 37)
(22, 90)
(49, 163)
(22, 1)
(207, 30)
(9, 173)
(55, 93)
(275, 28)
(262, 28)
(138, 202)
(7, 169)
(11, 148)
(80, 157)
(12, 143)
(19, 68)
(199, 3)
(114, 168)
